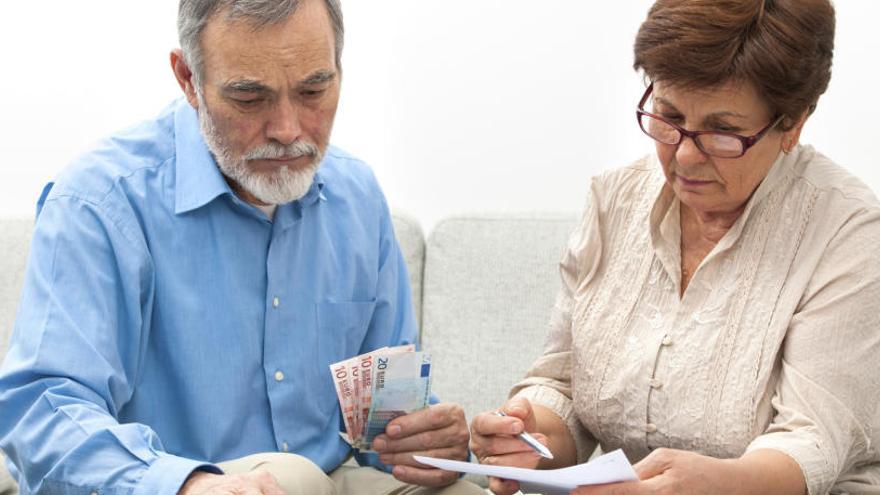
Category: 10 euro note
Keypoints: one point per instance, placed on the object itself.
(401, 384)
(344, 385)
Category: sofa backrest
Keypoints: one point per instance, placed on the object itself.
(412, 244)
(15, 241)
(489, 286)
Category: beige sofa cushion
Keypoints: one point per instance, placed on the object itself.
(490, 282)
(15, 240)
(412, 244)
(15, 235)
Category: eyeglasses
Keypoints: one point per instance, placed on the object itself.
(713, 143)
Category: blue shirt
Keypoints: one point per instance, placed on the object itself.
(165, 323)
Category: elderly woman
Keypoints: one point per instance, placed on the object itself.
(719, 318)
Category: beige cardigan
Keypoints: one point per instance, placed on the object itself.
(775, 343)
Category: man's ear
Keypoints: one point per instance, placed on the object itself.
(184, 77)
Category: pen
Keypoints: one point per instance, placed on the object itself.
(531, 442)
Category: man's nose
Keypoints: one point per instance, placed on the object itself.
(284, 126)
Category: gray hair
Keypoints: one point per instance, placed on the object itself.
(193, 16)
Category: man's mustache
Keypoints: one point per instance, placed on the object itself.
(270, 151)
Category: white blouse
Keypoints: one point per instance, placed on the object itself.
(775, 343)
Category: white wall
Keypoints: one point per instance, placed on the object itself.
(459, 105)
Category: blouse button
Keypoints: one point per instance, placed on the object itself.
(657, 320)
(656, 383)
(651, 428)
(667, 340)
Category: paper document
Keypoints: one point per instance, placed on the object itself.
(612, 467)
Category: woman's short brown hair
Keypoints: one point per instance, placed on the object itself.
(782, 47)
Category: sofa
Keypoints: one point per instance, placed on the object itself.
(483, 286)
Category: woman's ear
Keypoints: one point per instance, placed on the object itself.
(791, 137)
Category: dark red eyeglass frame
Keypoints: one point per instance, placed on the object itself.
(747, 141)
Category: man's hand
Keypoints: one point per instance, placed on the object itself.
(495, 441)
(256, 482)
(436, 431)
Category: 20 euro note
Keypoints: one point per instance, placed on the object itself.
(352, 379)
(401, 385)
(366, 362)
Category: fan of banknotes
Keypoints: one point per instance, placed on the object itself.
(376, 387)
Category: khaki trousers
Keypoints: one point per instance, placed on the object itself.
(300, 476)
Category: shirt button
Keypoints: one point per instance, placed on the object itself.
(276, 302)
(667, 340)
(285, 447)
(656, 383)
(279, 376)
(651, 428)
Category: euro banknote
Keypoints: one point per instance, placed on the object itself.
(401, 385)
(355, 382)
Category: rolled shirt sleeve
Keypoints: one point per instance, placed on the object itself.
(74, 357)
(827, 412)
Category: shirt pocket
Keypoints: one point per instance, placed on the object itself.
(342, 327)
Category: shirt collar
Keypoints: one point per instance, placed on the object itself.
(198, 179)
(316, 192)
(778, 171)
(665, 226)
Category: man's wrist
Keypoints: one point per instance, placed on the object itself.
(195, 482)
(167, 474)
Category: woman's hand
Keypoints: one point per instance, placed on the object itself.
(494, 441)
(667, 471)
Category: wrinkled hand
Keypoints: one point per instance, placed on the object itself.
(256, 482)
(494, 441)
(436, 431)
(667, 471)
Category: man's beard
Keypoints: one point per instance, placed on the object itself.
(275, 187)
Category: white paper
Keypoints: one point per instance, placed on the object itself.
(612, 467)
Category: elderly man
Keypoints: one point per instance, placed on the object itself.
(191, 279)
